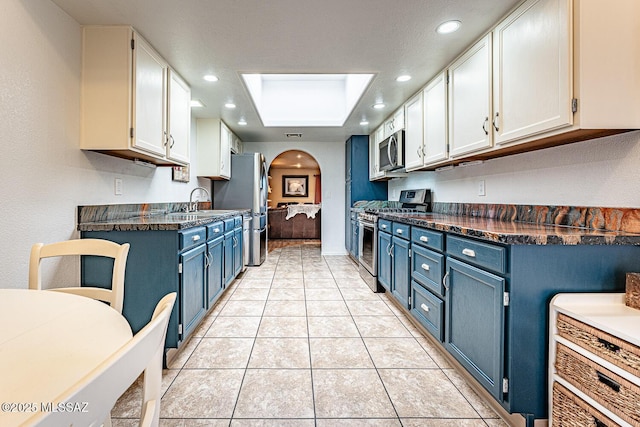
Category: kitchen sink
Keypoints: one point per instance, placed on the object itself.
(191, 216)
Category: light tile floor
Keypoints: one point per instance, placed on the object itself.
(302, 341)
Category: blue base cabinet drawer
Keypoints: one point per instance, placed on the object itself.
(192, 237)
(428, 310)
(384, 225)
(427, 268)
(402, 230)
(429, 238)
(492, 257)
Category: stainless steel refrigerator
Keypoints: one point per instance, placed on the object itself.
(247, 189)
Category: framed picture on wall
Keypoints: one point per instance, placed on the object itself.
(295, 185)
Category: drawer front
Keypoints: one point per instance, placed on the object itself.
(619, 352)
(481, 254)
(428, 310)
(427, 268)
(401, 230)
(229, 224)
(215, 229)
(608, 389)
(430, 239)
(192, 237)
(384, 225)
(237, 221)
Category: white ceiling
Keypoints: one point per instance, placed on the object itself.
(230, 37)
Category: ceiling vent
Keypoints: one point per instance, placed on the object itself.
(293, 135)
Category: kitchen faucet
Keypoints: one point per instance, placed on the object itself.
(193, 206)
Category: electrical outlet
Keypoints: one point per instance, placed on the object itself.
(481, 188)
(117, 186)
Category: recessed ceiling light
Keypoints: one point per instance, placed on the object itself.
(379, 106)
(364, 123)
(210, 78)
(230, 105)
(196, 103)
(448, 27)
(299, 156)
(242, 122)
(403, 78)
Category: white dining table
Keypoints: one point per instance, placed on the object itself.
(48, 342)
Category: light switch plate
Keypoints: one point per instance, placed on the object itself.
(117, 186)
(481, 188)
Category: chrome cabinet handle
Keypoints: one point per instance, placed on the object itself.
(444, 281)
(207, 258)
(424, 307)
(383, 226)
(216, 230)
(425, 267)
(173, 141)
(484, 125)
(495, 126)
(399, 231)
(195, 238)
(166, 138)
(424, 239)
(388, 249)
(469, 252)
(391, 250)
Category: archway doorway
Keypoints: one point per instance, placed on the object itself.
(295, 200)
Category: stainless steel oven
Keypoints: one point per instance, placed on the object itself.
(368, 249)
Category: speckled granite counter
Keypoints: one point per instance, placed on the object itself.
(531, 225)
(151, 216)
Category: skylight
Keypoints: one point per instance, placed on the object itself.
(305, 99)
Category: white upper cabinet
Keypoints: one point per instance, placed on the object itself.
(414, 132)
(214, 140)
(179, 128)
(470, 100)
(125, 107)
(532, 81)
(374, 162)
(435, 121)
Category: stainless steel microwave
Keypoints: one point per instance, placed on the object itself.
(391, 152)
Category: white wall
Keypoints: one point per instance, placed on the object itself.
(600, 172)
(330, 157)
(46, 176)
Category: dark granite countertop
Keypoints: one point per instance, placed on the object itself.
(515, 232)
(148, 217)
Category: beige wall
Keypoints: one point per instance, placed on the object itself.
(276, 185)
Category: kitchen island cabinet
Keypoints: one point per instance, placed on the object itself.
(500, 277)
(179, 252)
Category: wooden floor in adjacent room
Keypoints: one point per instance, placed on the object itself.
(283, 243)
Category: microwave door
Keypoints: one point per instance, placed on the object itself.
(392, 151)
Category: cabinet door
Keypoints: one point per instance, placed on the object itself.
(474, 315)
(228, 258)
(374, 140)
(384, 260)
(225, 151)
(214, 271)
(179, 128)
(532, 82)
(149, 99)
(470, 100)
(193, 299)
(237, 251)
(435, 120)
(401, 271)
(414, 133)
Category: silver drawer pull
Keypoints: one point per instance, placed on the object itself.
(425, 267)
(469, 252)
(216, 230)
(399, 231)
(383, 226)
(424, 239)
(424, 307)
(196, 238)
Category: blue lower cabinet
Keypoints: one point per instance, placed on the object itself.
(193, 298)
(474, 322)
(384, 260)
(428, 309)
(228, 258)
(427, 268)
(237, 250)
(401, 249)
(215, 285)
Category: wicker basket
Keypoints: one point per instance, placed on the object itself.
(613, 392)
(571, 411)
(619, 352)
(632, 293)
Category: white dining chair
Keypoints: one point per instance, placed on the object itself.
(96, 247)
(102, 387)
